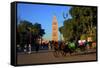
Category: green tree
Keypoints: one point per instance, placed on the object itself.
(83, 22)
(28, 32)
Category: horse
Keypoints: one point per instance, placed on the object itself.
(56, 48)
(68, 48)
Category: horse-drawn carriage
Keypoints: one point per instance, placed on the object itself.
(62, 48)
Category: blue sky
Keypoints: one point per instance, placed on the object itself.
(43, 14)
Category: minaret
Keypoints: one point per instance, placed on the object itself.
(54, 29)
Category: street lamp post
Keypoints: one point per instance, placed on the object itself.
(30, 43)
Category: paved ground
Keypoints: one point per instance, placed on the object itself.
(48, 57)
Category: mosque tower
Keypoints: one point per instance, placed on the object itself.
(54, 29)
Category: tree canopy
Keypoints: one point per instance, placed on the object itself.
(28, 32)
(83, 22)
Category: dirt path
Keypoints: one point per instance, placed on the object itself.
(48, 57)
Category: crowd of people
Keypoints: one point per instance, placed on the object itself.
(59, 47)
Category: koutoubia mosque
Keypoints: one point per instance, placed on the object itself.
(54, 29)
